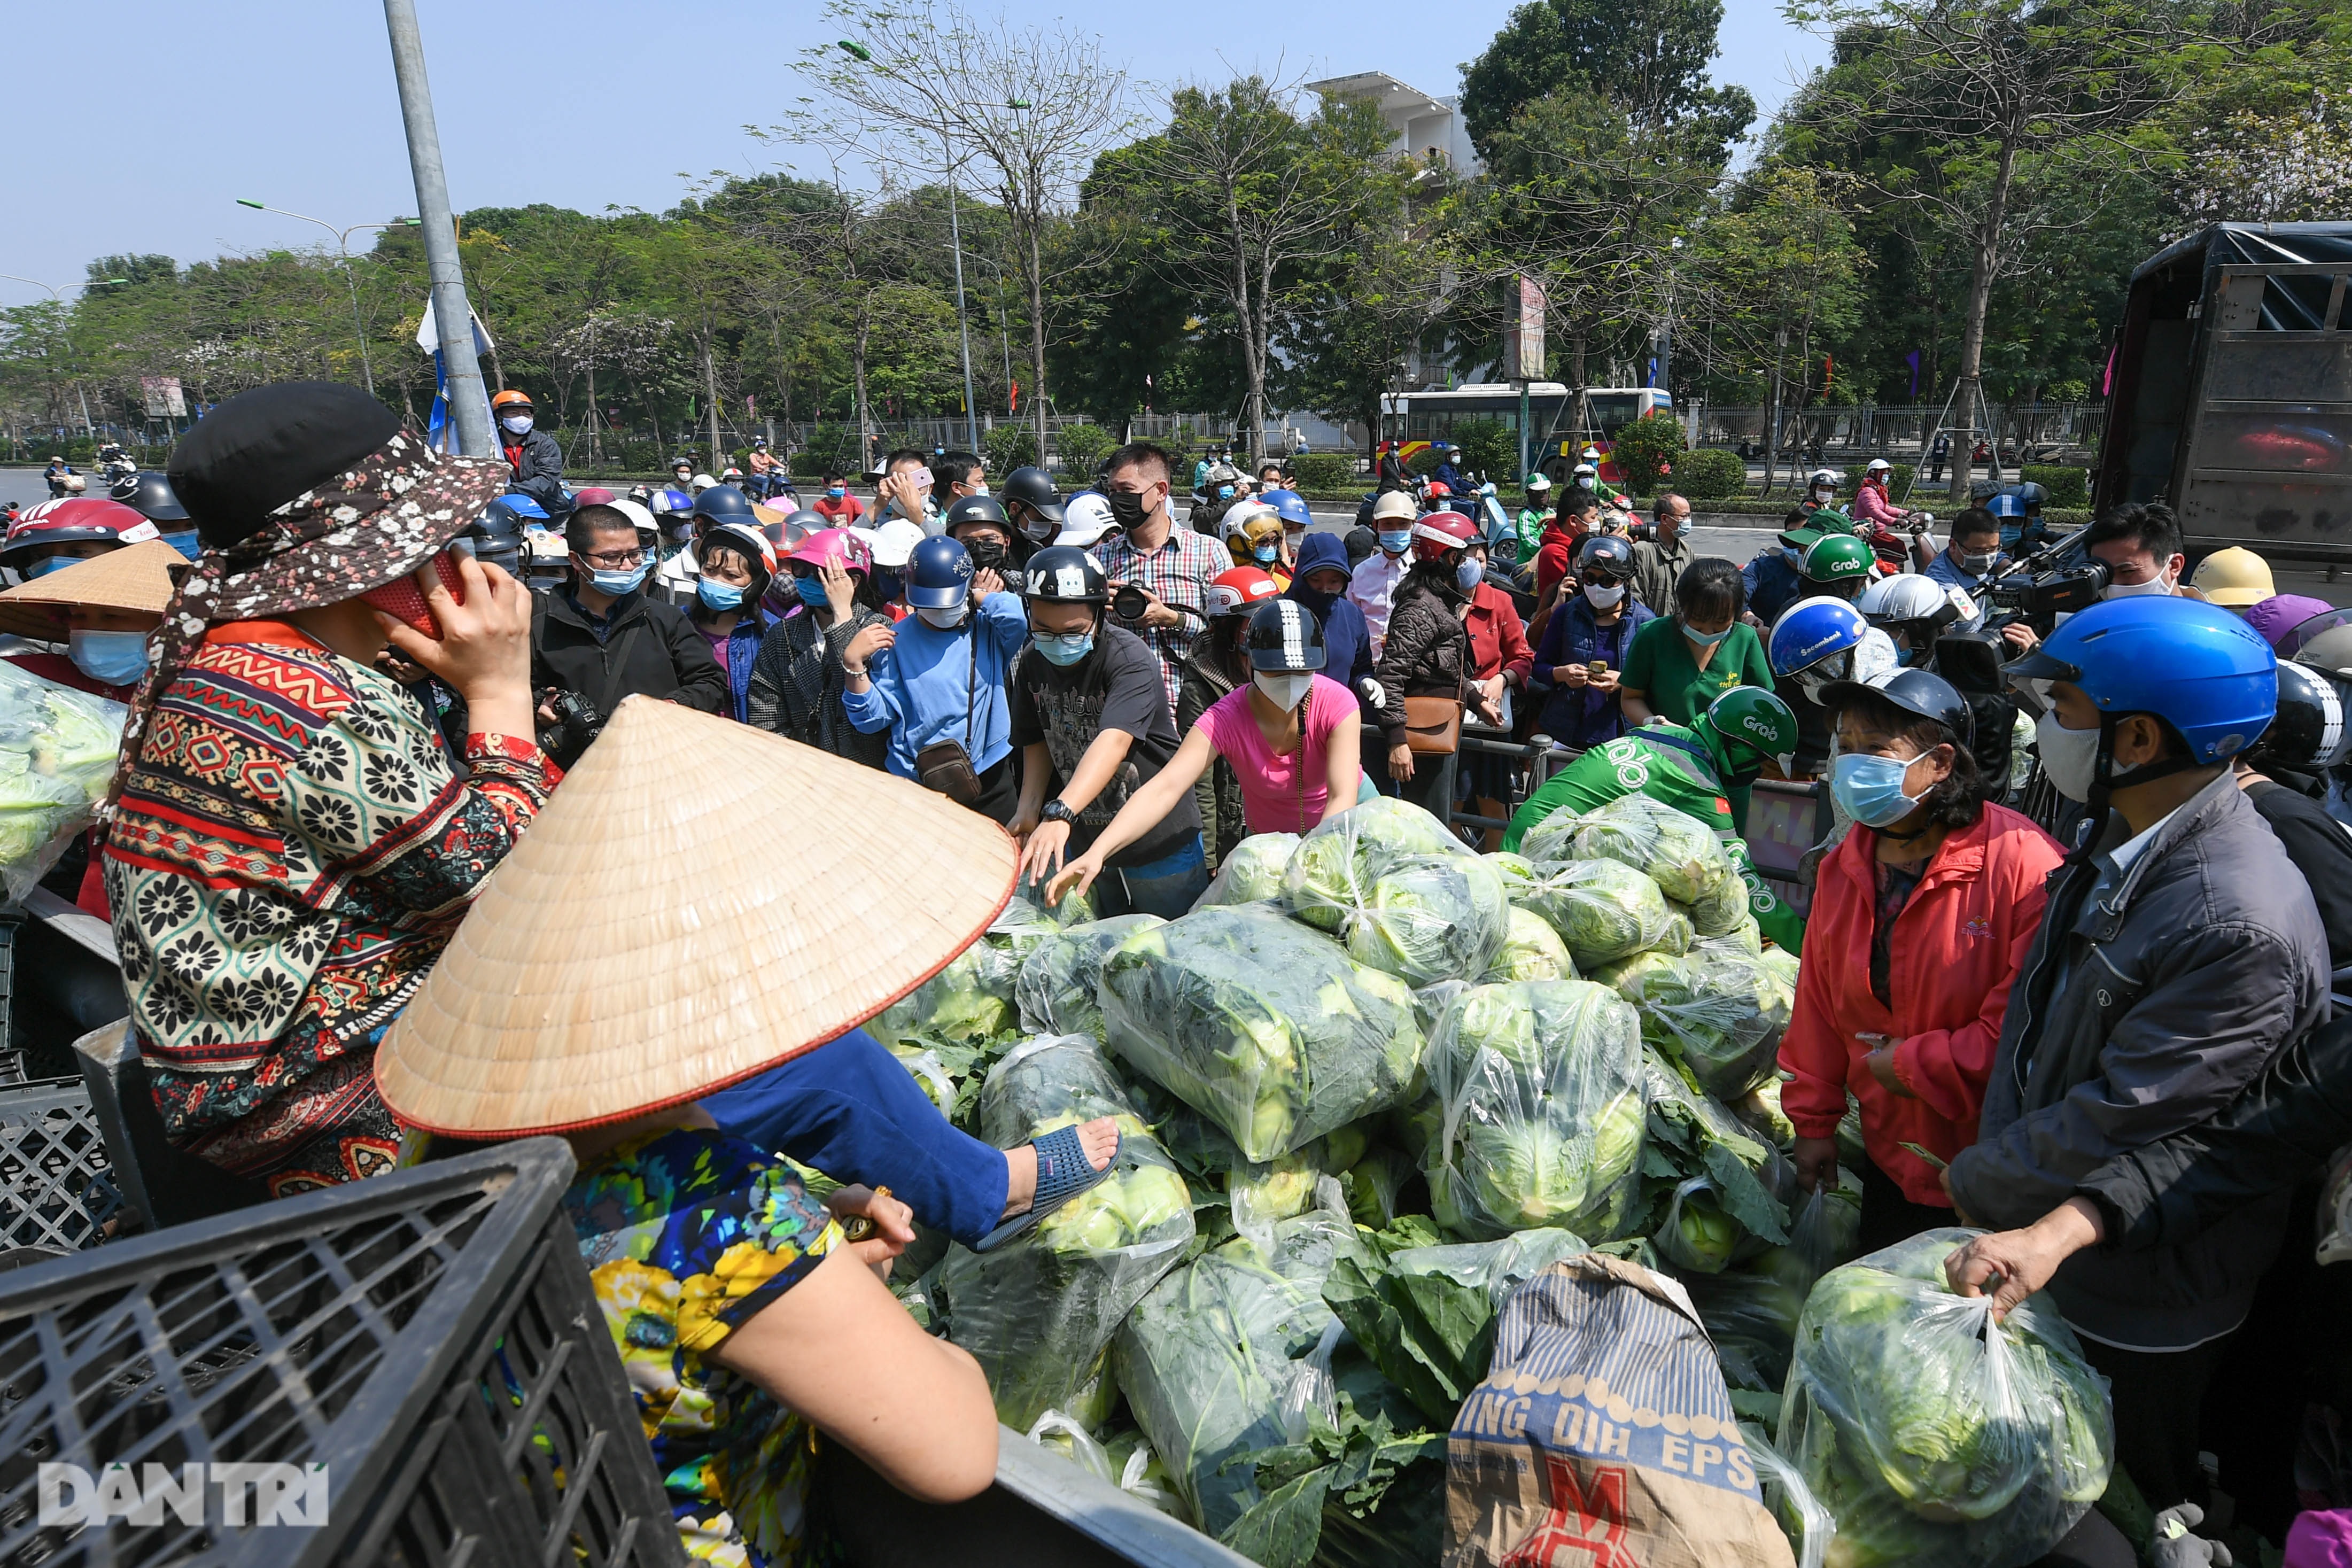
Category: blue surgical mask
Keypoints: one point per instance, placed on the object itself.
(837, 492)
(1266, 554)
(619, 582)
(1396, 541)
(1064, 648)
(1705, 639)
(49, 564)
(717, 596)
(186, 543)
(517, 423)
(888, 583)
(1870, 789)
(117, 658)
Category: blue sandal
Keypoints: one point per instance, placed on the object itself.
(1063, 1174)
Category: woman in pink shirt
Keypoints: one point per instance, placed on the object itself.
(1292, 736)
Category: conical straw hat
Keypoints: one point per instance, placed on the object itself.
(137, 577)
(635, 951)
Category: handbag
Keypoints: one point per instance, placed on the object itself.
(945, 766)
(1432, 725)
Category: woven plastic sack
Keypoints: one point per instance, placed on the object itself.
(1674, 849)
(1252, 873)
(1055, 990)
(1264, 1026)
(1037, 1312)
(1531, 950)
(1539, 1087)
(1404, 895)
(58, 749)
(1721, 1013)
(1602, 911)
(1935, 1436)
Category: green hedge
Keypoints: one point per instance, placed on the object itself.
(1009, 446)
(1079, 448)
(1325, 470)
(2067, 487)
(1710, 473)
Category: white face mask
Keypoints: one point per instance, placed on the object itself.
(2068, 756)
(1601, 598)
(1284, 691)
(980, 489)
(948, 618)
(519, 424)
(2156, 584)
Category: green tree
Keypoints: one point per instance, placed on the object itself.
(1651, 60)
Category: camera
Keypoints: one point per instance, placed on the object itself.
(577, 722)
(2039, 599)
(1129, 603)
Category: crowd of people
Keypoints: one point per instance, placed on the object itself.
(2099, 1029)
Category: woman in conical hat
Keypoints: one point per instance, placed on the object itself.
(594, 993)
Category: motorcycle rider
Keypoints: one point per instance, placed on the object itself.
(535, 456)
(60, 533)
(1032, 504)
(1532, 517)
(63, 480)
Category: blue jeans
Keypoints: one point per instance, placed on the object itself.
(1167, 887)
(851, 1110)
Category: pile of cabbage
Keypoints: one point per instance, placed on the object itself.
(58, 748)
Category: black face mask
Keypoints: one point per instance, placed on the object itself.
(987, 553)
(1127, 507)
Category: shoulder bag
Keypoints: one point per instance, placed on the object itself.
(946, 765)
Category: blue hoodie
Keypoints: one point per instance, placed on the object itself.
(1346, 640)
(920, 687)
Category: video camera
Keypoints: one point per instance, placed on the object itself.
(2062, 580)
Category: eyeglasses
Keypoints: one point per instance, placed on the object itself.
(616, 560)
(1602, 579)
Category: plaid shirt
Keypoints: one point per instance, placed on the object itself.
(1178, 573)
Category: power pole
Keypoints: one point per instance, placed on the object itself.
(469, 404)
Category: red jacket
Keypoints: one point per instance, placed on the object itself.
(1554, 555)
(1958, 946)
(1499, 642)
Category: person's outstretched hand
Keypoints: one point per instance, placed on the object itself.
(483, 650)
(1073, 878)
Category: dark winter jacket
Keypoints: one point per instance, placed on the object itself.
(1218, 794)
(2154, 994)
(797, 681)
(650, 650)
(539, 474)
(1427, 653)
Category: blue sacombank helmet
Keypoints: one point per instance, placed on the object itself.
(938, 574)
(2196, 666)
(1811, 630)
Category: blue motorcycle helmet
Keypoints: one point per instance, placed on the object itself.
(1291, 505)
(724, 503)
(2206, 674)
(1812, 632)
(938, 574)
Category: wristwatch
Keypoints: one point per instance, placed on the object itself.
(1055, 811)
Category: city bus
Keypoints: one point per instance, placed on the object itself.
(1555, 436)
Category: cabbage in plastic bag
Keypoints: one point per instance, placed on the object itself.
(1540, 1088)
(1674, 849)
(1262, 1025)
(1744, 937)
(1056, 991)
(963, 1004)
(1602, 911)
(1531, 950)
(1037, 1311)
(1252, 873)
(1802, 1517)
(57, 750)
(1404, 895)
(1935, 1436)
(1721, 1013)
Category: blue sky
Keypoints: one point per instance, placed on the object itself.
(583, 103)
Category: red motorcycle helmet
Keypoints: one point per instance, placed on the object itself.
(1438, 532)
(1243, 588)
(74, 520)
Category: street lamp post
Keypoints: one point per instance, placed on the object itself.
(344, 248)
(88, 428)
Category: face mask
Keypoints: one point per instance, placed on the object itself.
(47, 564)
(621, 582)
(837, 492)
(1793, 557)
(117, 658)
(980, 489)
(888, 583)
(1977, 565)
(519, 424)
(1870, 789)
(947, 619)
(2156, 584)
(783, 593)
(1284, 691)
(1396, 541)
(186, 543)
(1127, 508)
(1601, 598)
(1705, 639)
(717, 596)
(1741, 765)
(986, 553)
(2068, 756)
(1038, 530)
(1822, 498)
(1064, 648)
(1266, 554)
(1468, 575)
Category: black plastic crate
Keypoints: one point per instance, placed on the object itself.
(430, 1337)
(57, 1185)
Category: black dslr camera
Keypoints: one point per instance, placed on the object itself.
(577, 722)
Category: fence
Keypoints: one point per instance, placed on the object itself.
(2034, 434)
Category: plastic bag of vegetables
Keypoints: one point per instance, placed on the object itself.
(1721, 1013)
(1751, 1312)
(58, 749)
(1227, 1356)
(1264, 1026)
(1674, 849)
(1252, 873)
(1037, 1311)
(1056, 991)
(1539, 1089)
(1403, 894)
(962, 1004)
(1602, 911)
(1531, 950)
(1936, 1437)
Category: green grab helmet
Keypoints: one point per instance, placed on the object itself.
(1837, 558)
(1754, 720)
(1830, 519)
